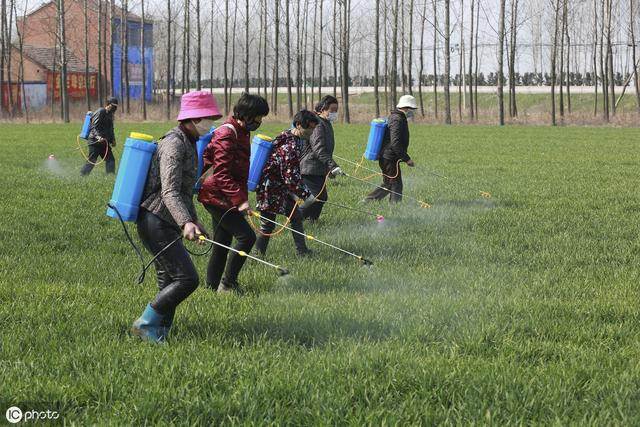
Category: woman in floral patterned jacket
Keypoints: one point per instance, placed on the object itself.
(281, 185)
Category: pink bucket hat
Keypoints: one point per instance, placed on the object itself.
(198, 104)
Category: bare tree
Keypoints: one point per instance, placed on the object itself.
(568, 60)
(304, 53)
(386, 56)
(612, 82)
(20, 33)
(410, 60)
(604, 74)
(346, 4)
(87, 96)
(313, 49)
(298, 57)
(168, 94)
(475, 73)
(288, 47)
(261, 38)
(554, 55)
(513, 106)
(421, 73)
(461, 63)
(447, 62)
(403, 75)
(233, 48)
(126, 56)
(111, 43)
(471, 79)
(320, 56)
(636, 79)
(561, 73)
(3, 43)
(334, 44)
(226, 57)
(276, 40)
(246, 47)
(63, 62)
(435, 60)
(394, 54)
(595, 56)
(101, 94)
(198, 47)
(266, 35)
(501, 62)
(143, 95)
(7, 35)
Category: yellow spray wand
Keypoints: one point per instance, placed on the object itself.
(484, 194)
(310, 237)
(281, 270)
(420, 202)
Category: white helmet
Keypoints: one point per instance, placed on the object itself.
(407, 101)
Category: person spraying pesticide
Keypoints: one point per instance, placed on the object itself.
(101, 138)
(281, 189)
(225, 194)
(317, 162)
(167, 213)
(394, 151)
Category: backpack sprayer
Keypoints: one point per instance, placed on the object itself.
(129, 186)
(310, 237)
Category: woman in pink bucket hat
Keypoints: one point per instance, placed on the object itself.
(167, 212)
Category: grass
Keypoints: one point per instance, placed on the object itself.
(519, 309)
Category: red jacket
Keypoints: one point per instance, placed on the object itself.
(228, 154)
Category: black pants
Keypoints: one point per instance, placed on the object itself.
(389, 169)
(177, 276)
(96, 150)
(267, 227)
(233, 224)
(315, 183)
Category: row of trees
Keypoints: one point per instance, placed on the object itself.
(304, 45)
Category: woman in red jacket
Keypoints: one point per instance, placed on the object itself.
(224, 191)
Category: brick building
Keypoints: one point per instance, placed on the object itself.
(41, 56)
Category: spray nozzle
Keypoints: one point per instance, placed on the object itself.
(366, 262)
(379, 218)
(424, 205)
(282, 271)
(485, 194)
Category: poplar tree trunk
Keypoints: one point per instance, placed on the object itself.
(471, 79)
(553, 63)
(86, 55)
(168, 105)
(288, 48)
(435, 60)
(226, 58)
(246, 47)
(126, 57)
(3, 10)
(634, 60)
(320, 55)
(345, 59)
(513, 106)
(101, 94)
(276, 58)
(447, 63)
(421, 73)
(501, 62)
(394, 56)
(198, 47)
(410, 60)
(143, 95)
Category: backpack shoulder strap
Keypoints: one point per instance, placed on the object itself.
(230, 126)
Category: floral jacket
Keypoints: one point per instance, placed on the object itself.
(281, 175)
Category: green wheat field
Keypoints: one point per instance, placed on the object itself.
(518, 309)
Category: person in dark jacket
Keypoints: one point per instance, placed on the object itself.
(101, 138)
(394, 150)
(281, 187)
(317, 156)
(167, 212)
(224, 191)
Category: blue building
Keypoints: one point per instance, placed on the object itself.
(134, 58)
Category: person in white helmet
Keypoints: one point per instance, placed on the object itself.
(394, 151)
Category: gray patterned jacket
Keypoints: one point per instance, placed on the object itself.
(168, 192)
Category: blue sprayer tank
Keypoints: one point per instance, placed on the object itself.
(132, 176)
(201, 144)
(86, 126)
(376, 135)
(261, 147)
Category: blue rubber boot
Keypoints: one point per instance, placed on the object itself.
(166, 322)
(149, 326)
